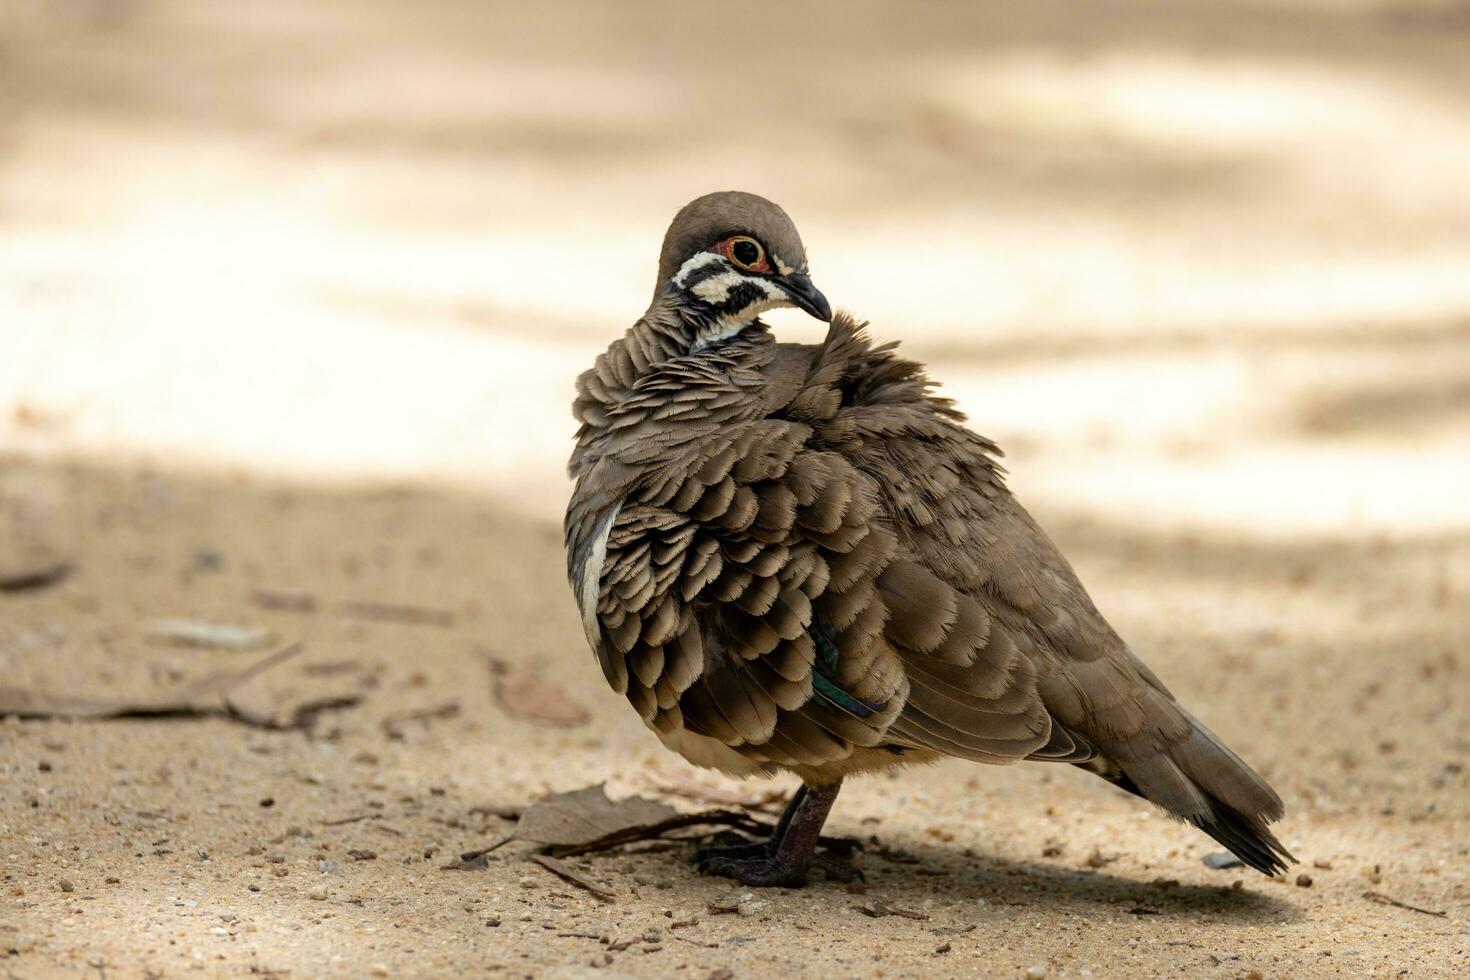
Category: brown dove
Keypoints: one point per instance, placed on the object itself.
(797, 558)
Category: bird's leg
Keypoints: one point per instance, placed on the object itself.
(758, 848)
(790, 852)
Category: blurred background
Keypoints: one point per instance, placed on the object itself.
(302, 288)
(1229, 242)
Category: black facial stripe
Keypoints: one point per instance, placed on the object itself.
(741, 295)
(699, 274)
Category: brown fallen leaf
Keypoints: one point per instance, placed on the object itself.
(525, 695)
(585, 820)
(587, 815)
(210, 697)
(563, 870)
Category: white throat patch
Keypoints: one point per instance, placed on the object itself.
(715, 290)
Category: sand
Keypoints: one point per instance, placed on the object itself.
(180, 845)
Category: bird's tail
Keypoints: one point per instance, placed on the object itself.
(1201, 781)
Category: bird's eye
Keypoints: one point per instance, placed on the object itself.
(746, 252)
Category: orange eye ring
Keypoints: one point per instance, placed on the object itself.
(745, 252)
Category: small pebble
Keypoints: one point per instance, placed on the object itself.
(378, 970)
(65, 885)
(752, 907)
(528, 882)
(730, 903)
(268, 802)
(318, 893)
(1036, 973)
(1304, 881)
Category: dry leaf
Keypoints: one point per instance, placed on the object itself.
(527, 696)
(586, 815)
(585, 820)
(215, 695)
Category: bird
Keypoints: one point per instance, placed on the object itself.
(796, 558)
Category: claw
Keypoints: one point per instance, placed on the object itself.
(762, 866)
(784, 859)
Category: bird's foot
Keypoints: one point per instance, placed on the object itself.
(762, 865)
(735, 847)
(841, 846)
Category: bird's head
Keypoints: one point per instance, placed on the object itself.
(730, 256)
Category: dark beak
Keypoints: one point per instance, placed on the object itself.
(806, 296)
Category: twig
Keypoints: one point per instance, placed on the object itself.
(187, 704)
(35, 577)
(1383, 899)
(354, 819)
(390, 612)
(723, 818)
(303, 716)
(207, 636)
(481, 852)
(877, 910)
(301, 602)
(567, 873)
(477, 859)
(696, 942)
(391, 723)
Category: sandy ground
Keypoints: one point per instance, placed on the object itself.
(291, 297)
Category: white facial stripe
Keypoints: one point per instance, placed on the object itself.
(781, 266)
(696, 261)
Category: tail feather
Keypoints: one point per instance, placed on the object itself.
(1245, 836)
(1202, 782)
